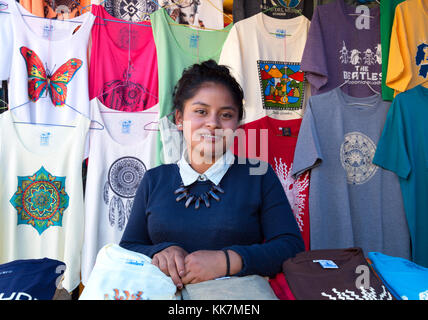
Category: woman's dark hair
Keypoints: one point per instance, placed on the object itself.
(195, 76)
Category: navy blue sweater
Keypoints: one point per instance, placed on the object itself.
(253, 218)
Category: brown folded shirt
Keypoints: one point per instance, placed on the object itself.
(334, 274)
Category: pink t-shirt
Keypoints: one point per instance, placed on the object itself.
(123, 70)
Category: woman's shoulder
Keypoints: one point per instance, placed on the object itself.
(252, 168)
(163, 170)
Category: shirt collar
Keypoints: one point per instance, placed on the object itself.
(215, 173)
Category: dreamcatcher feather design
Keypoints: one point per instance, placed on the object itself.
(123, 179)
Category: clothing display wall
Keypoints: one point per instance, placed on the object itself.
(334, 103)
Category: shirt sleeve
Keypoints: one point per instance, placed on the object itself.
(6, 40)
(392, 150)
(307, 154)
(399, 72)
(314, 62)
(136, 235)
(282, 236)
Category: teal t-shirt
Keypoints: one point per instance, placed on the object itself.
(387, 13)
(178, 47)
(403, 149)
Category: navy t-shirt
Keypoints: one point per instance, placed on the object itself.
(32, 279)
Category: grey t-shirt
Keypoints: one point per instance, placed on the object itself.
(352, 202)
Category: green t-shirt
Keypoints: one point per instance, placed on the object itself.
(178, 47)
(403, 149)
(387, 13)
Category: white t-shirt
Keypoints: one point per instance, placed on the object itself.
(41, 193)
(57, 50)
(121, 274)
(267, 65)
(119, 156)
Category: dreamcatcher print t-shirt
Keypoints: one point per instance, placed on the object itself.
(48, 66)
(119, 156)
(123, 72)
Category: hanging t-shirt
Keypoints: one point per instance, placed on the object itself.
(387, 12)
(274, 142)
(119, 156)
(202, 13)
(408, 54)
(344, 46)
(32, 279)
(123, 72)
(56, 9)
(406, 280)
(47, 66)
(352, 203)
(281, 9)
(264, 55)
(41, 193)
(403, 150)
(177, 48)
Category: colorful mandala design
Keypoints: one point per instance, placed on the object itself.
(40, 200)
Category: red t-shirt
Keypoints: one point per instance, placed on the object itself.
(123, 71)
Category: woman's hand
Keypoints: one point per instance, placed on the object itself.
(204, 265)
(171, 261)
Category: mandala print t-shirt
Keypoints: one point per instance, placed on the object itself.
(41, 193)
(47, 68)
(123, 72)
(202, 13)
(274, 142)
(352, 202)
(264, 55)
(119, 156)
(344, 47)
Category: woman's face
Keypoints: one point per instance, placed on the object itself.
(208, 120)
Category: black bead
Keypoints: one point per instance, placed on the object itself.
(206, 200)
(179, 190)
(197, 203)
(189, 200)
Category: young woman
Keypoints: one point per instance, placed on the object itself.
(211, 215)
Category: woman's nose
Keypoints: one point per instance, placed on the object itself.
(212, 121)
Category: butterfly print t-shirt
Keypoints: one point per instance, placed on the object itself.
(124, 71)
(48, 67)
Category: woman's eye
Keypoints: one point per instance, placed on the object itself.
(200, 111)
(227, 115)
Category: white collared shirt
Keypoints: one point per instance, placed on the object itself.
(215, 173)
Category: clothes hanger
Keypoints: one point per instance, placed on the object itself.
(364, 2)
(55, 124)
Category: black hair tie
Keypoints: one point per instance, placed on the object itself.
(227, 263)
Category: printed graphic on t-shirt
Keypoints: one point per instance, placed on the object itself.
(364, 294)
(123, 179)
(422, 59)
(125, 296)
(358, 64)
(123, 94)
(294, 189)
(131, 10)
(356, 155)
(40, 200)
(281, 84)
(40, 79)
(281, 8)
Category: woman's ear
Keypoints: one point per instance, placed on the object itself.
(178, 119)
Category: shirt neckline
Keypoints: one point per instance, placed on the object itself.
(214, 174)
(100, 12)
(166, 19)
(99, 107)
(346, 102)
(55, 152)
(84, 19)
(262, 18)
